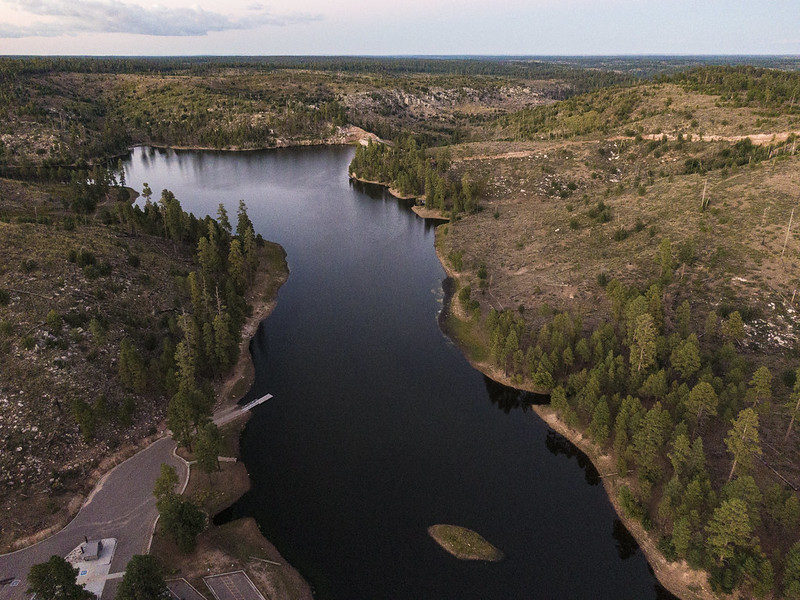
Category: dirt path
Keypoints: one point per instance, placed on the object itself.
(759, 139)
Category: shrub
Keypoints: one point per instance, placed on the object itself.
(456, 259)
(54, 321)
(85, 258)
(29, 265)
(5, 297)
(134, 261)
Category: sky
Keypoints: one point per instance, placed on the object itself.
(399, 27)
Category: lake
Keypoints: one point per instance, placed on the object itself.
(379, 427)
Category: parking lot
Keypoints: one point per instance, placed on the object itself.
(232, 586)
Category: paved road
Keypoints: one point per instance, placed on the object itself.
(122, 506)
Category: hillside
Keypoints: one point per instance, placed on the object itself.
(631, 265)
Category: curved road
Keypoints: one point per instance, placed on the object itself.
(122, 506)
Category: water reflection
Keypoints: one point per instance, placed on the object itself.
(626, 543)
(509, 398)
(558, 444)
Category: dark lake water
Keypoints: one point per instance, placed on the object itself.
(378, 427)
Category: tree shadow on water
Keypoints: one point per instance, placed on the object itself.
(508, 398)
(558, 444)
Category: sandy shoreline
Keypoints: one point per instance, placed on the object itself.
(394, 192)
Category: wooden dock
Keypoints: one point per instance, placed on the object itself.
(254, 403)
(234, 412)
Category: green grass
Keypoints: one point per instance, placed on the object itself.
(464, 543)
(468, 337)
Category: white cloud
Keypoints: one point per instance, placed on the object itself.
(102, 16)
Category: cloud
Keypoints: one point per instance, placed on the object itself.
(101, 16)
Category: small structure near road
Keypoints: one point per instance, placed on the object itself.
(90, 550)
(93, 561)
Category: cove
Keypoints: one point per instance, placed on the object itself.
(379, 428)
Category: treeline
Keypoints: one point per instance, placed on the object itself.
(578, 79)
(746, 85)
(212, 332)
(414, 170)
(659, 387)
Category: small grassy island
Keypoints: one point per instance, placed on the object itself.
(464, 543)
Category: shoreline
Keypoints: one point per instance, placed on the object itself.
(344, 136)
(263, 297)
(220, 490)
(677, 577)
(393, 191)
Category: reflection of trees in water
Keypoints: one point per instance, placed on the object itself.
(558, 444)
(626, 543)
(508, 398)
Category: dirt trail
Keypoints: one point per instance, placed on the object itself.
(759, 139)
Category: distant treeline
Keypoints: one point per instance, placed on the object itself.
(746, 86)
(579, 79)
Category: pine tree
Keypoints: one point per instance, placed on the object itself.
(685, 358)
(222, 219)
(684, 317)
(601, 422)
(182, 520)
(742, 441)
(243, 221)
(226, 346)
(643, 348)
(733, 328)
(237, 267)
(56, 580)
(665, 261)
(729, 529)
(649, 440)
(130, 368)
(143, 580)
(702, 400)
(208, 447)
(791, 573)
(250, 253)
(147, 193)
(166, 482)
(761, 385)
(679, 455)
